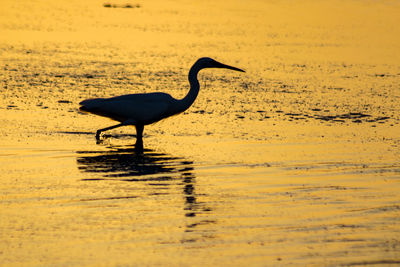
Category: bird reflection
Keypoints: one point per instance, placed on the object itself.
(129, 164)
(153, 168)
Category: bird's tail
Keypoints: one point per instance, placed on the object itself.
(90, 104)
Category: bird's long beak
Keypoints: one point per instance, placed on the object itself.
(220, 65)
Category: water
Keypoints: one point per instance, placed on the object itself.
(295, 162)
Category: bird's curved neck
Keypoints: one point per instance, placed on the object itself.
(188, 100)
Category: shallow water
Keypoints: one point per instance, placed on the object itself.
(295, 162)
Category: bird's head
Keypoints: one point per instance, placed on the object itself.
(206, 62)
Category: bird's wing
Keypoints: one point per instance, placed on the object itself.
(142, 108)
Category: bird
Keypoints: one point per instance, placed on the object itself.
(147, 108)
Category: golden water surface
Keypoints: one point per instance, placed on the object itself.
(295, 162)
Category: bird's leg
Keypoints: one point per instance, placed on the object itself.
(139, 136)
(106, 129)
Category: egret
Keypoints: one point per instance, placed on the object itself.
(143, 109)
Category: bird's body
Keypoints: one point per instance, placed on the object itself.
(144, 109)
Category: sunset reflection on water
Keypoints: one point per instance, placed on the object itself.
(295, 162)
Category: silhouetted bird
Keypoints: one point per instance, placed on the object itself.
(143, 109)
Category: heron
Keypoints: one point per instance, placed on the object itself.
(147, 108)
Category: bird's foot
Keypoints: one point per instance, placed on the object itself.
(99, 140)
(98, 133)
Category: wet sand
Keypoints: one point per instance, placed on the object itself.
(295, 162)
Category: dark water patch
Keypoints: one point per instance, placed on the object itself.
(379, 209)
(88, 76)
(307, 229)
(295, 116)
(285, 91)
(76, 132)
(341, 168)
(355, 117)
(302, 66)
(107, 198)
(151, 179)
(379, 119)
(327, 227)
(109, 5)
(165, 74)
(344, 240)
(158, 194)
(376, 262)
(352, 226)
(336, 88)
(203, 222)
(319, 188)
(383, 75)
(351, 115)
(64, 102)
